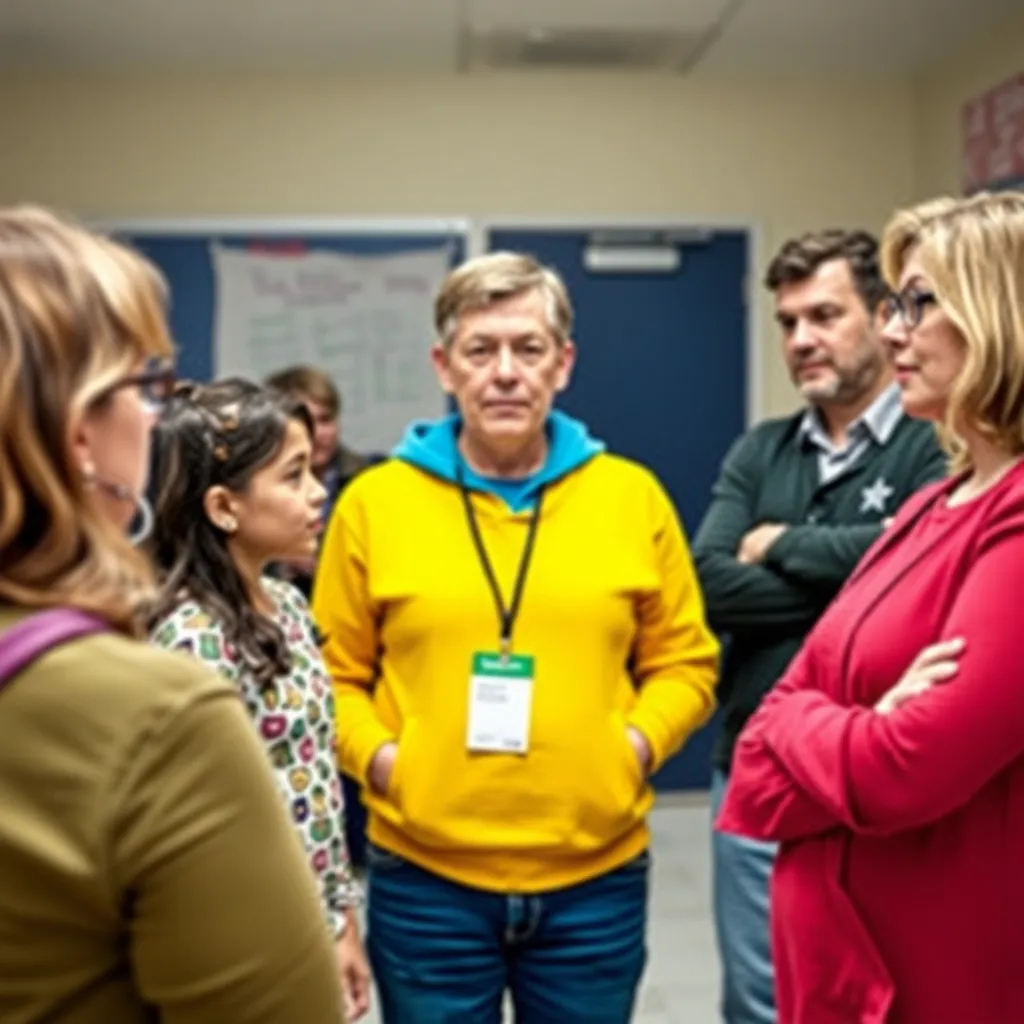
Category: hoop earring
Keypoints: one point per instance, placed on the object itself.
(144, 516)
(143, 509)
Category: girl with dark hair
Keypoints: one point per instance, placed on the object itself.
(235, 491)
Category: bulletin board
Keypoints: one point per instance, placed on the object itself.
(354, 298)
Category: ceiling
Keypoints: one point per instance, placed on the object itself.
(703, 37)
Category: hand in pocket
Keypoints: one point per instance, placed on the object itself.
(382, 767)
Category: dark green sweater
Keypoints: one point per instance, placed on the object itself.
(764, 611)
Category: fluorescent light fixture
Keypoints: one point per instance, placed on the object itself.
(632, 259)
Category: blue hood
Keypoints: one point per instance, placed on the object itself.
(432, 445)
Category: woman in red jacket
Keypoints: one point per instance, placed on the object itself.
(889, 761)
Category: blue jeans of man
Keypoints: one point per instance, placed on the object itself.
(742, 870)
(444, 953)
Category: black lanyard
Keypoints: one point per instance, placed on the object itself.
(506, 615)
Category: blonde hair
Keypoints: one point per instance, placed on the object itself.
(78, 312)
(973, 253)
(485, 280)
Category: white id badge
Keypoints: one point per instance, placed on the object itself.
(500, 700)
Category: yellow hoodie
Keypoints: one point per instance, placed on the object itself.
(613, 617)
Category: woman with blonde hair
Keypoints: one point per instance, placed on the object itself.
(147, 868)
(890, 760)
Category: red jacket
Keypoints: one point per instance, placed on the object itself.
(898, 894)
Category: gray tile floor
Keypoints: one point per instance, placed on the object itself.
(681, 982)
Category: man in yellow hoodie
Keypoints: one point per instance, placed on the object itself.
(517, 641)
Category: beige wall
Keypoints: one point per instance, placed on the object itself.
(787, 156)
(939, 100)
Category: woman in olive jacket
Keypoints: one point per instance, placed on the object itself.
(147, 866)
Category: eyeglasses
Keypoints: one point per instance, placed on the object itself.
(910, 305)
(155, 383)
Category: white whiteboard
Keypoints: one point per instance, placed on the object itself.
(366, 320)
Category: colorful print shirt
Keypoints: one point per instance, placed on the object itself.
(295, 718)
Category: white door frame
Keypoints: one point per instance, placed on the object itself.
(309, 226)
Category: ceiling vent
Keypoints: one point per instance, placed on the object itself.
(581, 50)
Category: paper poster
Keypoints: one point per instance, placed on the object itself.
(366, 320)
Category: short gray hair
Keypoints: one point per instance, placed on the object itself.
(484, 280)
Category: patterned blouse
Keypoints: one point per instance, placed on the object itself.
(295, 718)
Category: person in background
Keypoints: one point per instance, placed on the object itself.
(798, 502)
(889, 762)
(236, 491)
(147, 868)
(335, 466)
(517, 642)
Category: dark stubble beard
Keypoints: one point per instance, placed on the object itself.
(852, 381)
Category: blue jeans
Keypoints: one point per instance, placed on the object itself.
(742, 874)
(444, 953)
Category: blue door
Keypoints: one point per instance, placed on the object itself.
(661, 377)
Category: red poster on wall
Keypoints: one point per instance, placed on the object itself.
(993, 136)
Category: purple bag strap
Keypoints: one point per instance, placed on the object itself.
(32, 637)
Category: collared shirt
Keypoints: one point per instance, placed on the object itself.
(876, 423)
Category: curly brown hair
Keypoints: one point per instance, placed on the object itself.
(216, 434)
